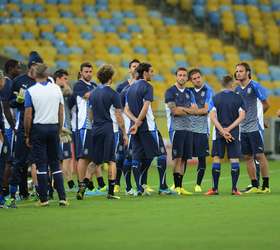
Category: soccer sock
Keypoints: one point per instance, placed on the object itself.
(216, 169)
(127, 173)
(136, 172)
(90, 185)
(200, 169)
(255, 183)
(161, 166)
(86, 181)
(58, 183)
(101, 182)
(235, 170)
(119, 164)
(146, 163)
(71, 184)
(257, 170)
(265, 182)
(36, 189)
(177, 179)
(111, 187)
(13, 190)
(43, 177)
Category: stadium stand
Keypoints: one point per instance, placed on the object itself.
(67, 32)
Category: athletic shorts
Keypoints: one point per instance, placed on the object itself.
(182, 145)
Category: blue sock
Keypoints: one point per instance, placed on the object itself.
(235, 170)
(161, 166)
(200, 169)
(58, 184)
(127, 173)
(136, 172)
(216, 169)
(2, 199)
(145, 165)
(13, 190)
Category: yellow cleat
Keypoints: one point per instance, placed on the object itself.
(185, 192)
(172, 188)
(178, 190)
(265, 191)
(116, 189)
(253, 190)
(197, 189)
(103, 189)
(148, 189)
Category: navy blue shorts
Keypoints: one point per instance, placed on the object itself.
(128, 149)
(182, 145)
(200, 145)
(103, 145)
(171, 135)
(66, 151)
(147, 145)
(83, 143)
(219, 146)
(252, 143)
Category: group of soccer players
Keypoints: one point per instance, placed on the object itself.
(101, 125)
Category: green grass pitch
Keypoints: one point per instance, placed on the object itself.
(156, 222)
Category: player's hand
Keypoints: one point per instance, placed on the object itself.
(20, 95)
(138, 123)
(125, 140)
(1, 138)
(133, 130)
(266, 124)
(27, 142)
(278, 113)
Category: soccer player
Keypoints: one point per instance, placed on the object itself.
(200, 125)
(145, 138)
(103, 101)
(181, 105)
(21, 151)
(11, 70)
(2, 131)
(44, 113)
(252, 145)
(61, 79)
(82, 138)
(123, 158)
(227, 113)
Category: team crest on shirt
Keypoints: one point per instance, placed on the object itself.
(66, 154)
(5, 149)
(162, 150)
(174, 152)
(249, 90)
(187, 96)
(202, 93)
(86, 151)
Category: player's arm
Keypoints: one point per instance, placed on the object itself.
(27, 124)
(60, 116)
(120, 121)
(266, 105)
(176, 111)
(236, 123)
(8, 114)
(217, 124)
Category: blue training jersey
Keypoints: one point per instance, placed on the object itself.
(227, 105)
(250, 94)
(204, 95)
(139, 92)
(181, 98)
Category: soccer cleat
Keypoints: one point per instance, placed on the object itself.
(212, 192)
(265, 190)
(253, 190)
(43, 204)
(103, 189)
(11, 203)
(131, 192)
(236, 192)
(148, 188)
(116, 188)
(197, 189)
(138, 193)
(113, 197)
(178, 190)
(63, 203)
(146, 193)
(246, 189)
(172, 188)
(185, 192)
(166, 191)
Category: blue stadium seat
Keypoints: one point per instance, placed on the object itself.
(62, 64)
(114, 50)
(206, 70)
(60, 28)
(218, 57)
(264, 77)
(214, 18)
(178, 50)
(125, 36)
(141, 50)
(27, 36)
(86, 36)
